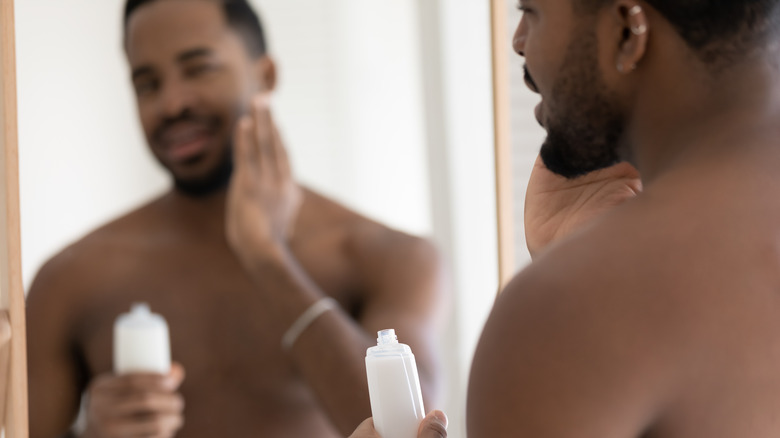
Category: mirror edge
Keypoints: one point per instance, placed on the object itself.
(13, 397)
(503, 149)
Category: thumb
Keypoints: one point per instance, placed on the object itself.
(434, 425)
(243, 151)
(175, 376)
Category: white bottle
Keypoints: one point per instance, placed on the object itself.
(141, 342)
(394, 387)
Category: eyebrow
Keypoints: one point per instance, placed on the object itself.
(188, 55)
(194, 53)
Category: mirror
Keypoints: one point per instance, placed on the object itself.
(385, 107)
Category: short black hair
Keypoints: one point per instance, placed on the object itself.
(240, 16)
(719, 31)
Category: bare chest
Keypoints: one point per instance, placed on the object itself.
(221, 333)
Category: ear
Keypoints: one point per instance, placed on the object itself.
(265, 69)
(634, 29)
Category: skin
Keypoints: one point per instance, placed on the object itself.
(656, 318)
(651, 314)
(230, 271)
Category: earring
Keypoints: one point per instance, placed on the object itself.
(639, 30)
(635, 10)
(622, 69)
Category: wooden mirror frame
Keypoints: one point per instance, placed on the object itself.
(13, 355)
(503, 141)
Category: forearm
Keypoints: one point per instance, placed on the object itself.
(329, 353)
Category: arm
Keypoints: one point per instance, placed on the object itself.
(402, 280)
(55, 377)
(555, 206)
(132, 405)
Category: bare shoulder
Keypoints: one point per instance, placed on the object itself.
(392, 268)
(584, 341)
(66, 278)
(366, 241)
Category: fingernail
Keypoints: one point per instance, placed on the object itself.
(262, 100)
(442, 417)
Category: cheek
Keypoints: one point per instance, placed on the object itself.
(146, 114)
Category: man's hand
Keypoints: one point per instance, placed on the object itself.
(556, 206)
(263, 199)
(434, 425)
(135, 405)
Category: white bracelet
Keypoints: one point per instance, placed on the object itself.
(312, 313)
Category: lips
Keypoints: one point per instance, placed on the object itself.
(184, 142)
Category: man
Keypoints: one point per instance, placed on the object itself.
(240, 262)
(659, 317)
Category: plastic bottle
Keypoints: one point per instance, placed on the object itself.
(141, 342)
(394, 387)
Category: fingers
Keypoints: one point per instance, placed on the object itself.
(136, 405)
(263, 145)
(244, 151)
(161, 403)
(365, 430)
(151, 426)
(140, 382)
(264, 127)
(434, 425)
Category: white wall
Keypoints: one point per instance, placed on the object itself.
(82, 156)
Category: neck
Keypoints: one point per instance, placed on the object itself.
(204, 215)
(681, 119)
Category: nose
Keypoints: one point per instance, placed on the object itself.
(175, 99)
(518, 41)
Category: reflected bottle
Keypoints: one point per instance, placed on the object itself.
(141, 342)
(394, 387)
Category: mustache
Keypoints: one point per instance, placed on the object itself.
(528, 79)
(186, 116)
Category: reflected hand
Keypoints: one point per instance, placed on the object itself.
(135, 405)
(434, 425)
(263, 199)
(556, 206)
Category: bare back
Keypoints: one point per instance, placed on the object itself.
(660, 320)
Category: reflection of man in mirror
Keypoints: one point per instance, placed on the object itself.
(272, 292)
(658, 317)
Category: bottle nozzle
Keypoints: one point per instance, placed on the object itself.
(386, 337)
(140, 308)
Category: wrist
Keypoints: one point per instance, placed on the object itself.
(271, 253)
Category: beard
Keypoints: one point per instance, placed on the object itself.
(584, 126)
(218, 178)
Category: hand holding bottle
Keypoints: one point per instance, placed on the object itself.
(135, 405)
(433, 426)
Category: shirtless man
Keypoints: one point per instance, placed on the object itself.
(232, 262)
(659, 317)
